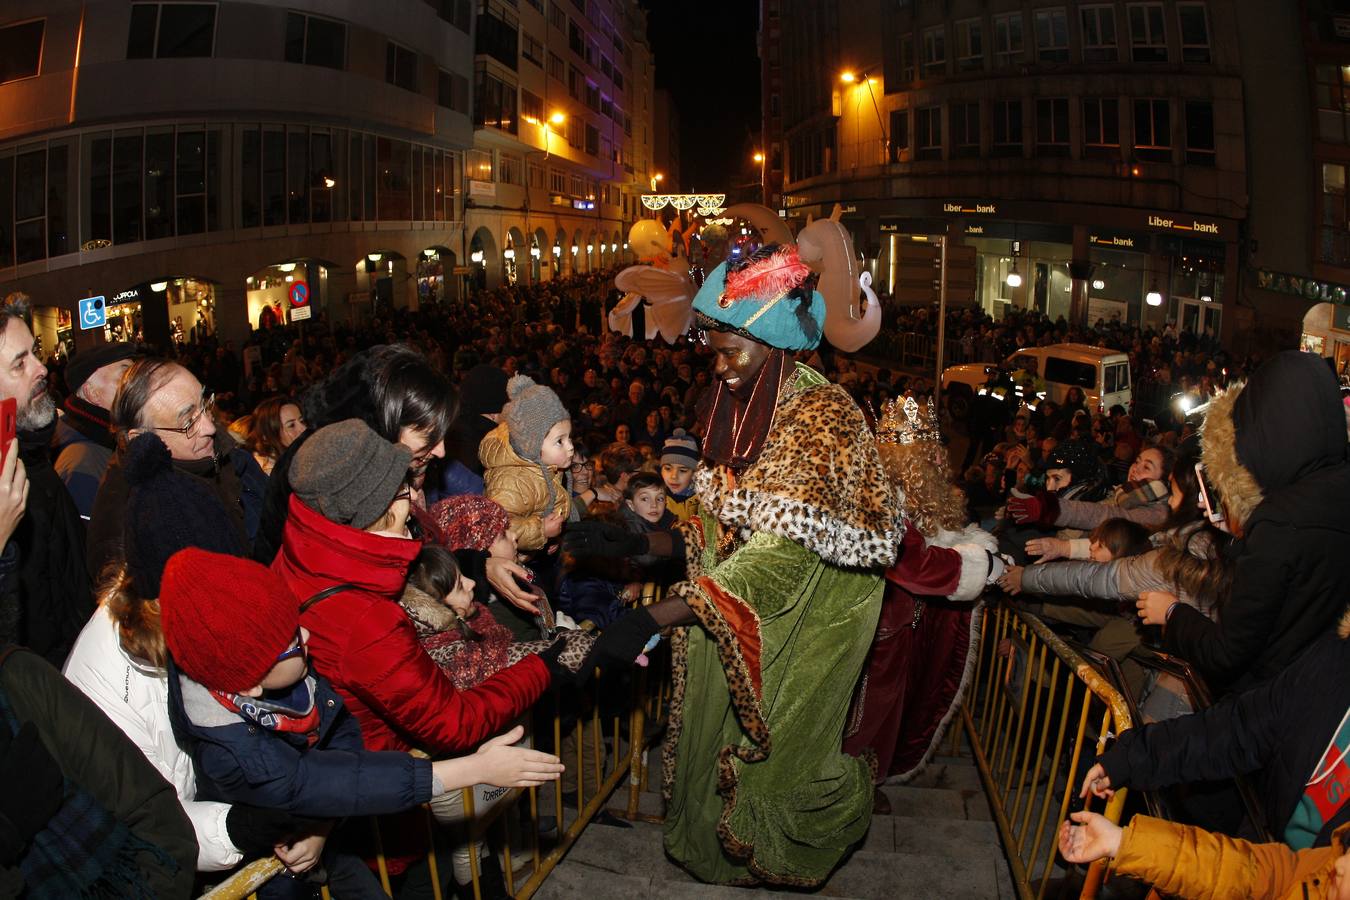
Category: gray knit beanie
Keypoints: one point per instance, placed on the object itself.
(348, 473)
(533, 410)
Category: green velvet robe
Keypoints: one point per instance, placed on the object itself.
(757, 785)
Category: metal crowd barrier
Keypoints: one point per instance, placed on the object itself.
(1034, 715)
(512, 827)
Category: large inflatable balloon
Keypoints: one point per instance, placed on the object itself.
(826, 247)
(661, 280)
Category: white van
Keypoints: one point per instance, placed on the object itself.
(1104, 376)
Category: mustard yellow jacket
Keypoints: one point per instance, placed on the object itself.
(1189, 862)
(521, 487)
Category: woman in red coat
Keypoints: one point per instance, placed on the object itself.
(924, 650)
(347, 527)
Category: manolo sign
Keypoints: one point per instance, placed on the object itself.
(1307, 288)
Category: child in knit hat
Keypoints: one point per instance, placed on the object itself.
(266, 731)
(679, 458)
(523, 459)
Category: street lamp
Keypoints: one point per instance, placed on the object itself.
(763, 186)
(655, 178)
(850, 77)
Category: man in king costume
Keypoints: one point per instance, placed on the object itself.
(798, 522)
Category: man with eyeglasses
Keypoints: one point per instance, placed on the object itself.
(47, 602)
(161, 396)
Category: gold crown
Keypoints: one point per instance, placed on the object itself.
(904, 422)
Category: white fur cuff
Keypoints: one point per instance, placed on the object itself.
(974, 573)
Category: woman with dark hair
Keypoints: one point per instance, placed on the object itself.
(786, 584)
(273, 426)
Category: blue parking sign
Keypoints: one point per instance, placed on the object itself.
(93, 313)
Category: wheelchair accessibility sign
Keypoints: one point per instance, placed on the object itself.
(93, 313)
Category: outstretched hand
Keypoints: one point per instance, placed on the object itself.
(1090, 838)
(504, 765)
(1097, 783)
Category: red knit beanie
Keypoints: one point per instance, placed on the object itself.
(470, 521)
(226, 619)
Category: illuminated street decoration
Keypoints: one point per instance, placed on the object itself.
(708, 205)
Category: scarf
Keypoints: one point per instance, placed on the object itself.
(295, 713)
(36, 444)
(736, 422)
(89, 420)
(84, 851)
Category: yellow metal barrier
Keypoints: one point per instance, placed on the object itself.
(598, 768)
(1028, 719)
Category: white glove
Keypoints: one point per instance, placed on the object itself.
(998, 564)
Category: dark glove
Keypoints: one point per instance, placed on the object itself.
(591, 537)
(1041, 508)
(33, 791)
(558, 674)
(255, 831)
(620, 644)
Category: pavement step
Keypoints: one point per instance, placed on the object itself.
(955, 775)
(972, 873)
(929, 803)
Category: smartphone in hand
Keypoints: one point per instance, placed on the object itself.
(9, 415)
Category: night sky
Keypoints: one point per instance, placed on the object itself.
(706, 58)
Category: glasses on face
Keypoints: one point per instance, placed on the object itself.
(297, 648)
(193, 419)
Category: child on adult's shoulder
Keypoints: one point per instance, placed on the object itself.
(523, 460)
(265, 731)
(679, 458)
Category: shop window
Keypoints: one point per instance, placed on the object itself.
(498, 33)
(1334, 246)
(6, 211)
(314, 41)
(1052, 35)
(1007, 40)
(297, 176)
(320, 173)
(531, 49)
(928, 132)
(171, 30)
(965, 121)
(899, 135)
(126, 187)
(452, 91)
(274, 176)
(1006, 118)
(30, 206)
(393, 165)
(969, 45)
(1153, 130)
(934, 51)
(190, 187)
(1052, 126)
(494, 101)
(1194, 24)
(1101, 126)
(21, 50)
(1099, 33)
(1199, 133)
(1148, 33)
(400, 66)
(158, 183)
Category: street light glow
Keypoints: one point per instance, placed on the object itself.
(848, 78)
(759, 157)
(557, 118)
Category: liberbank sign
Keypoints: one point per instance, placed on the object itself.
(1307, 288)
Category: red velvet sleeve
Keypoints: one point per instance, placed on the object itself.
(386, 667)
(923, 570)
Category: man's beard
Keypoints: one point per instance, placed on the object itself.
(37, 414)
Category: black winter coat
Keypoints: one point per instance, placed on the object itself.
(1276, 452)
(52, 592)
(1277, 730)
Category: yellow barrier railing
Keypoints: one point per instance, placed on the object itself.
(590, 739)
(1028, 719)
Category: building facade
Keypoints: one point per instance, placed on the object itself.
(205, 166)
(1087, 159)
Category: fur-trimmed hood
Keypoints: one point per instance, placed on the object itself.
(1284, 425)
(818, 481)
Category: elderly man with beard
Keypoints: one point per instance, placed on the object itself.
(45, 607)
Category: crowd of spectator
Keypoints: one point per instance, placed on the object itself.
(276, 568)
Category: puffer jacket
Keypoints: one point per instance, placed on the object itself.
(362, 641)
(135, 695)
(1185, 861)
(1086, 515)
(1277, 731)
(521, 487)
(326, 774)
(1119, 580)
(1275, 451)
